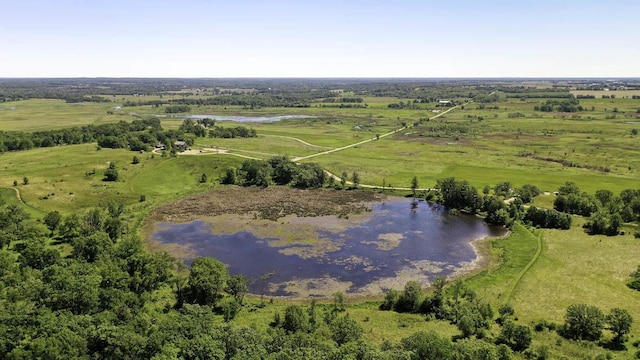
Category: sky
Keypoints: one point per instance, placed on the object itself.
(348, 38)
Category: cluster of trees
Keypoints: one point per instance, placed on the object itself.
(547, 218)
(174, 109)
(232, 132)
(606, 211)
(135, 135)
(568, 105)
(473, 317)
(204, 127)
(460, 306)
(278, 170)
(460, 195)
(585, 322)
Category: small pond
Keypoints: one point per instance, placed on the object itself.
(398, 241)
(243, 119)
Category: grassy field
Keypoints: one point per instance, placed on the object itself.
(69, 178)
(47, 114)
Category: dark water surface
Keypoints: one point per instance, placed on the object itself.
(428, 235)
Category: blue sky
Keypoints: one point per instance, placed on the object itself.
(246, 38)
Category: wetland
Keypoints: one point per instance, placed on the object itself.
(357, 242)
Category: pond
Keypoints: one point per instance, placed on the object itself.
(243, 119)
(398, 241)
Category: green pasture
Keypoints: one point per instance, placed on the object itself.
(47, 114)
(69, 178)
(578, 268)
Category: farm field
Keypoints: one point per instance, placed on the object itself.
(540, 272)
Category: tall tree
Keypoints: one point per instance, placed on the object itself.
(208, 277)
(414, 185)
(355, 179)
(619, 322)
(583, 322)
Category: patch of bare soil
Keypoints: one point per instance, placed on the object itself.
(271, 203)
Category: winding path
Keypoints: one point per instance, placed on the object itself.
(296, 139)
(526, 268)
(22, 202)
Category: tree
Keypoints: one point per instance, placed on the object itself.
(619, 321)
(90, 248)
(475, 349)
(207, 278)
(635, 279)
(355, 179)
(459, 195)
(111, 174)
(135, 160)
(283, 170)
(517, 337)
(409, 300)
(414, 185)
(338, 301)
(428, 346)
(256, 172)
(343, 179)
(503, 189)
(604, 196)
(295, 319)
(344, 329)
(237, 287)
(569, 187)
(72, 286)
(52, 220)
(203, 178)
(583, 322)
(35, 254)
(25, 181)
(229, 177)
(527, 192)
(390, 299)
(467, 326)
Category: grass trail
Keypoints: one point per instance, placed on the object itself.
(526, 268)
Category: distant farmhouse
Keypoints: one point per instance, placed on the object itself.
(445, 103)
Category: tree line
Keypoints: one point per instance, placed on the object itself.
(137, 135)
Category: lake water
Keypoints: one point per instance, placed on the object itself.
(396, 243)
(244, 119)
